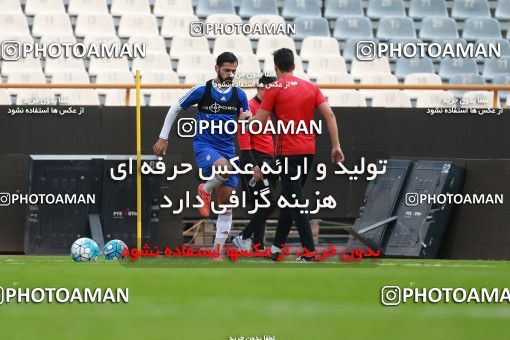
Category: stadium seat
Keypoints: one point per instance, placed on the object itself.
(199, 77)
(311, 27)
(403, 42)
(28, 96)
(395, 27)
(114, 77)
(184, 46)
(264, 20)
(433, 99)
(451, 41)
(465, 79)
(481, 28)
(335, 78)
(248, 65)
(164, 7)
(70, 76)
(376, 79)
(238, 43)
(390, 98)
(118, 98)
(57, 38)
(318, 65)
(503, 43)
(494, 66)
(324, 46)
(405, 66)
(338, 8)
(63, 64)
(152, 62)
(353, 27)
(503, 10)
(502, 79)
(164, 97)
(270, 43)
(451, 66)
(463, 9)
(33, 7)
(195, 63)
(376, 66)
(21, 38)
(208, 7)
(121, 7)
(10, 6)
(221, 19)
(13, 23)
(419, 9)
(438, 28)
(174, 25)
(5, 97)
(74, 96)
(77, 7)
(25, 77)
(344, 98)
(153, 43)
(94, 23)
(51, 23)
(350, 45)
(29, 64)
(100, 65)
(101, 39)
(250, 8)
(478, 99)
(159, 77)
(377, 9)
(131, 24)
(421, 79)
(269, 64)
(296, 8)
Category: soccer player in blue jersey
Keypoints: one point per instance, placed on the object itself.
(218, 101)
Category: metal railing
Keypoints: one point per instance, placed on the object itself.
(128, 87)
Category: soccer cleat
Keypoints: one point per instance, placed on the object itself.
(307, 259)
(241, 244)
(217, 258)
(206, 197)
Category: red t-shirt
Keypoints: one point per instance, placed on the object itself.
(262, 142)
(293, 99)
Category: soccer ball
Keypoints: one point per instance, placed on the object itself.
(114, 250)
(84, 249)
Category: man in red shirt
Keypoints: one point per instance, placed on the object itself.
(257, 149)
(292, 99)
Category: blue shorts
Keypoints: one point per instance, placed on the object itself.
(205, 156)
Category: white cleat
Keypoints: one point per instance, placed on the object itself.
(241, 244)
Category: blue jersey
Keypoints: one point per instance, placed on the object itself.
(214, 105)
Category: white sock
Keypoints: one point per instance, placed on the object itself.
(223, 225)
(213, 183)
(275, 249)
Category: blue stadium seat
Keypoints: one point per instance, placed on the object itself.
(340, 8)
(311, 27)
(403, 41)
(503, 10)
(349, 49)
(463, 9)
(465, 78)
(438, 28)
(405, 66)
(452, 66)
(353, 27)
(502, 79)
(208, 7)
(396, 27)
(250, 8)
(296, 8)
(504, 45)
(419, 9)
(385, 8)
(494, 66)
(481, 28)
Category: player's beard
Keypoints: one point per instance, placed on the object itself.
(225, 82)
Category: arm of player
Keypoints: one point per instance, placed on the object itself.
(261, 115)
(161, 145)
(336, 152)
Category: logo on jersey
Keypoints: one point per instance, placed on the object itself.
(215, 108)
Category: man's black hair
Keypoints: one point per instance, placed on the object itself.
(284, 59)
(226, 57)
(264, 80)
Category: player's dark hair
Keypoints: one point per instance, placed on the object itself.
(264, 80)
(226, 57)
(284, 59)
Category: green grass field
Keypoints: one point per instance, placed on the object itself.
(196, 299)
